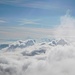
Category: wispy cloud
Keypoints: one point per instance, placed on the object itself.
(42, 5)
(25, 32)
(33, 4)
(2, 21)
(9, 1)
(27, 21)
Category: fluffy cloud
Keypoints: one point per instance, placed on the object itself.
(38, 58)
(66, 29)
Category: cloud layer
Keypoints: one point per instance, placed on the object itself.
(45, 58)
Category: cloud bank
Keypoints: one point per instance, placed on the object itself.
(32, 58)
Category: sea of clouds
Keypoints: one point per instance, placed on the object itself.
(54, 57)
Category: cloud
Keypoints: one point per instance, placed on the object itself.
(34, 4)
(38, 59)
(2, 21)
(41, 5)
(21, 44)
(30, 42)
(10, 1)
(28, 22)
(66, 29)
(55, 57)
(25, 32)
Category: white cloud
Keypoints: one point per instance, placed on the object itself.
(26, 22)
(56, 60)
(66, 29)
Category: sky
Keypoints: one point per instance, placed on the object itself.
(23, 19)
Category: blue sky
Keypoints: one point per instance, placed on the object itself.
(31, 14)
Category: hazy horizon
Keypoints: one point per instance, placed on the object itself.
(31, 19)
